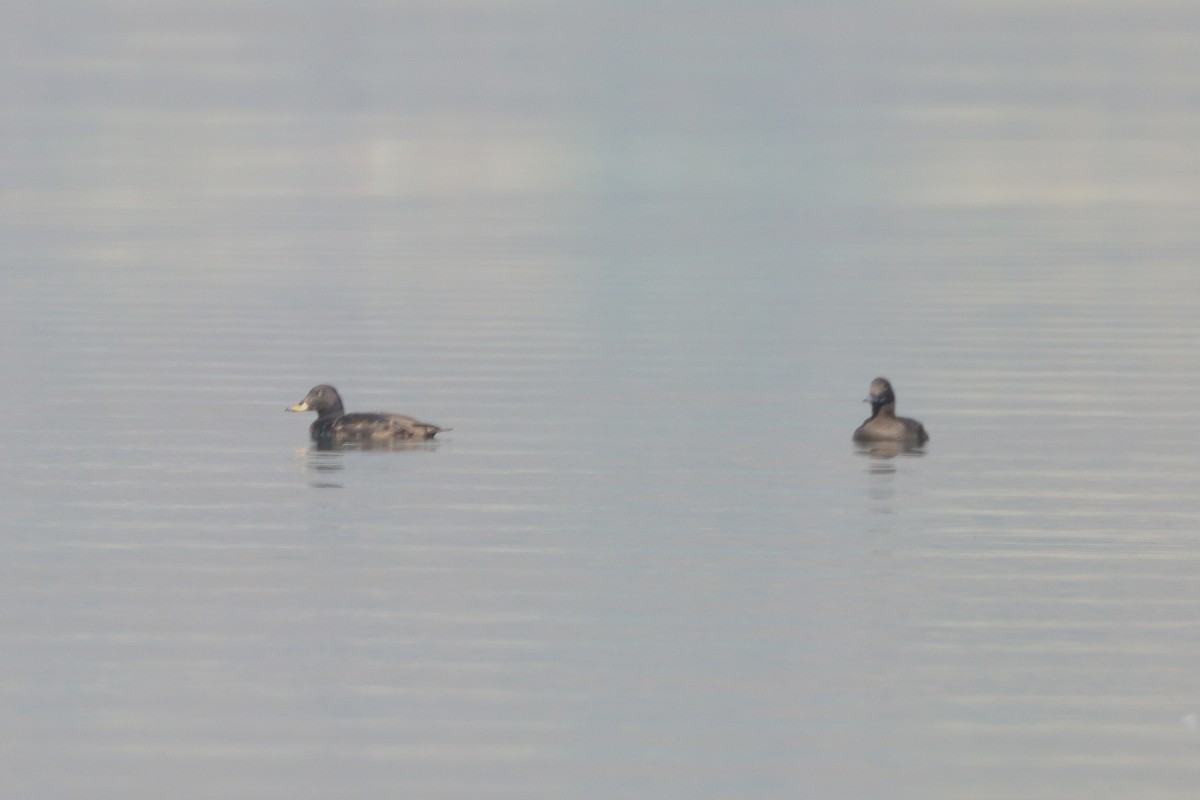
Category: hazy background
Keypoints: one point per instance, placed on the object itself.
(645, 259)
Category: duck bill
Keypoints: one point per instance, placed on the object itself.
(298, 407)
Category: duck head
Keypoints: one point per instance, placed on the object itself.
(322, 399)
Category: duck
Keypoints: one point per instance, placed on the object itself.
(884, 425)
(333, 423)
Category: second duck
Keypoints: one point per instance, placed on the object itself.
(884, 425)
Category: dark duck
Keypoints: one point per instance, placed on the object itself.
(333, 423)
(884, 425)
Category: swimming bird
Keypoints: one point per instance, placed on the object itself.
(333, 423)
(884, 425)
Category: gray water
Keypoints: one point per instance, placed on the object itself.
(644, 259)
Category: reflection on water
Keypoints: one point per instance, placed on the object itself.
(888, 450)
(883, 469)
(330, 445)
(326, 457)
(325, 461)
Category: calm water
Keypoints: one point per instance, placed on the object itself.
(644, 260)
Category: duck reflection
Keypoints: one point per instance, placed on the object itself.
(325, 445)
(326, 457)
(888, 450)
(883, 455)
(322, 461)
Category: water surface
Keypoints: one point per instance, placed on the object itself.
(645, 263)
